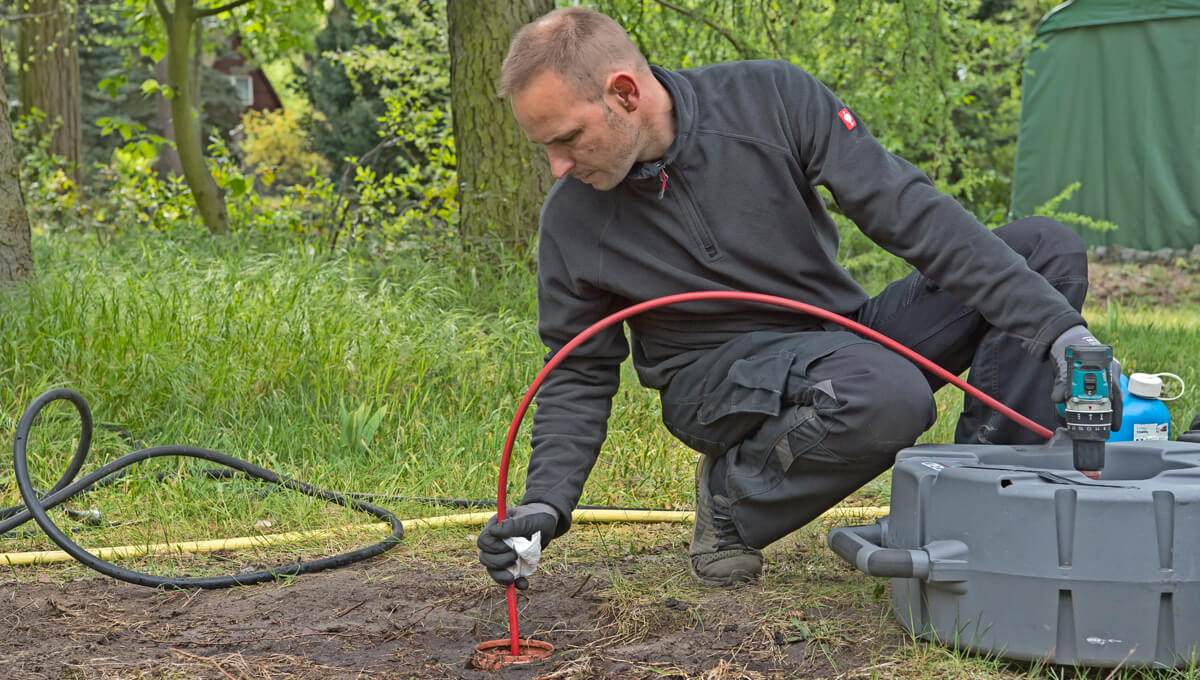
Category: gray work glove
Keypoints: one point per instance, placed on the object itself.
(1080, 335)
(1193, 432)
(509, 550)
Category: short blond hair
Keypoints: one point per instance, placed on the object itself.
(579, 44)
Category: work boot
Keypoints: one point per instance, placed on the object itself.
(717, 554)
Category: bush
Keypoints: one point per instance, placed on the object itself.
(276, 147)
(128, 192)
(396, 184)
(51, 196)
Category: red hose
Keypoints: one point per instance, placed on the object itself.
(634, 310)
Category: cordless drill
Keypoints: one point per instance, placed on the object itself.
(1089, 410)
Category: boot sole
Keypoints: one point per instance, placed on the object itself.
(723, 582)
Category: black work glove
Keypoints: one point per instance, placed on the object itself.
(1080, 335)
(524, 520)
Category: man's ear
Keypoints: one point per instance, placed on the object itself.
(624, 88)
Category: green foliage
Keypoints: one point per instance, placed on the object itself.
(359, 426)
(299, 209)
(50, 193)
(346, 105)
(268, 28)
(1050, 209)
(8, 60)
(367, 213)
(396, 180)
(177, 31)
(118, 84)
(936, 81)
(130, 194)
(124, 193)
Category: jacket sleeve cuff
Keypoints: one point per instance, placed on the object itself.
(561, 507)
(1040, 346)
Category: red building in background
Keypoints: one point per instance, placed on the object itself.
(252, 85)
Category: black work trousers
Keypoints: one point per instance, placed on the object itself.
(805, 419)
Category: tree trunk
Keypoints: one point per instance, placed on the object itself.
(168, 155)
(48, 77)
(210, 200)
(503, 179)
(16, 257)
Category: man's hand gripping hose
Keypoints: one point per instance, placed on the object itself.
(617, 317)
(510, 549)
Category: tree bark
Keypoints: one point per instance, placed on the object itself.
(16, 256)
(48, 76)
(503, 179)
(209, 199)
(168, 155)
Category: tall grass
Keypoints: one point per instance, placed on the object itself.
(276, 355)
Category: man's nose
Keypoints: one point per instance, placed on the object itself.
(560, 164)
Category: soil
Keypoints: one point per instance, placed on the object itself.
(1153, 284)
(386, 619)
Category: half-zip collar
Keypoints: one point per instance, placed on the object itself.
(683, 100)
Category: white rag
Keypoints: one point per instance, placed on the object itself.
(528, 550)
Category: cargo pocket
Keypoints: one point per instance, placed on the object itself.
(761, 461)
(733, 407)
(753, 385)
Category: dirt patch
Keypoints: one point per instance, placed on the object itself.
(392, 618)
(1150, 284)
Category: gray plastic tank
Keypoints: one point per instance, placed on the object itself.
(1009, 550)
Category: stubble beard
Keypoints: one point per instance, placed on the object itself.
(626, 140)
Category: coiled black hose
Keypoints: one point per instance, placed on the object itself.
(35, 507)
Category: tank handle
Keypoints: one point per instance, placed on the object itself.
(860, 546)
(943, 562)
(1182, 385)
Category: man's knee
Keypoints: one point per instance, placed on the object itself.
(1052, 250)
(884, 405)
(1049, 247)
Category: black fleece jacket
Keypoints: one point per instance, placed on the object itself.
(740, 211)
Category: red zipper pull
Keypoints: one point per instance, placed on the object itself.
(662, 175)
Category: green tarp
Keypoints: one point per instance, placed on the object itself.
(1111, 100)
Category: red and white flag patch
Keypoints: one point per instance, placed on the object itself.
(847, 119)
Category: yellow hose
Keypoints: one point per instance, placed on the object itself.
(464, 519)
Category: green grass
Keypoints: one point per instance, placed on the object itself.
(390, 377)
(396, 377)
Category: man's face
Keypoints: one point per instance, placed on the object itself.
(592, 141)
